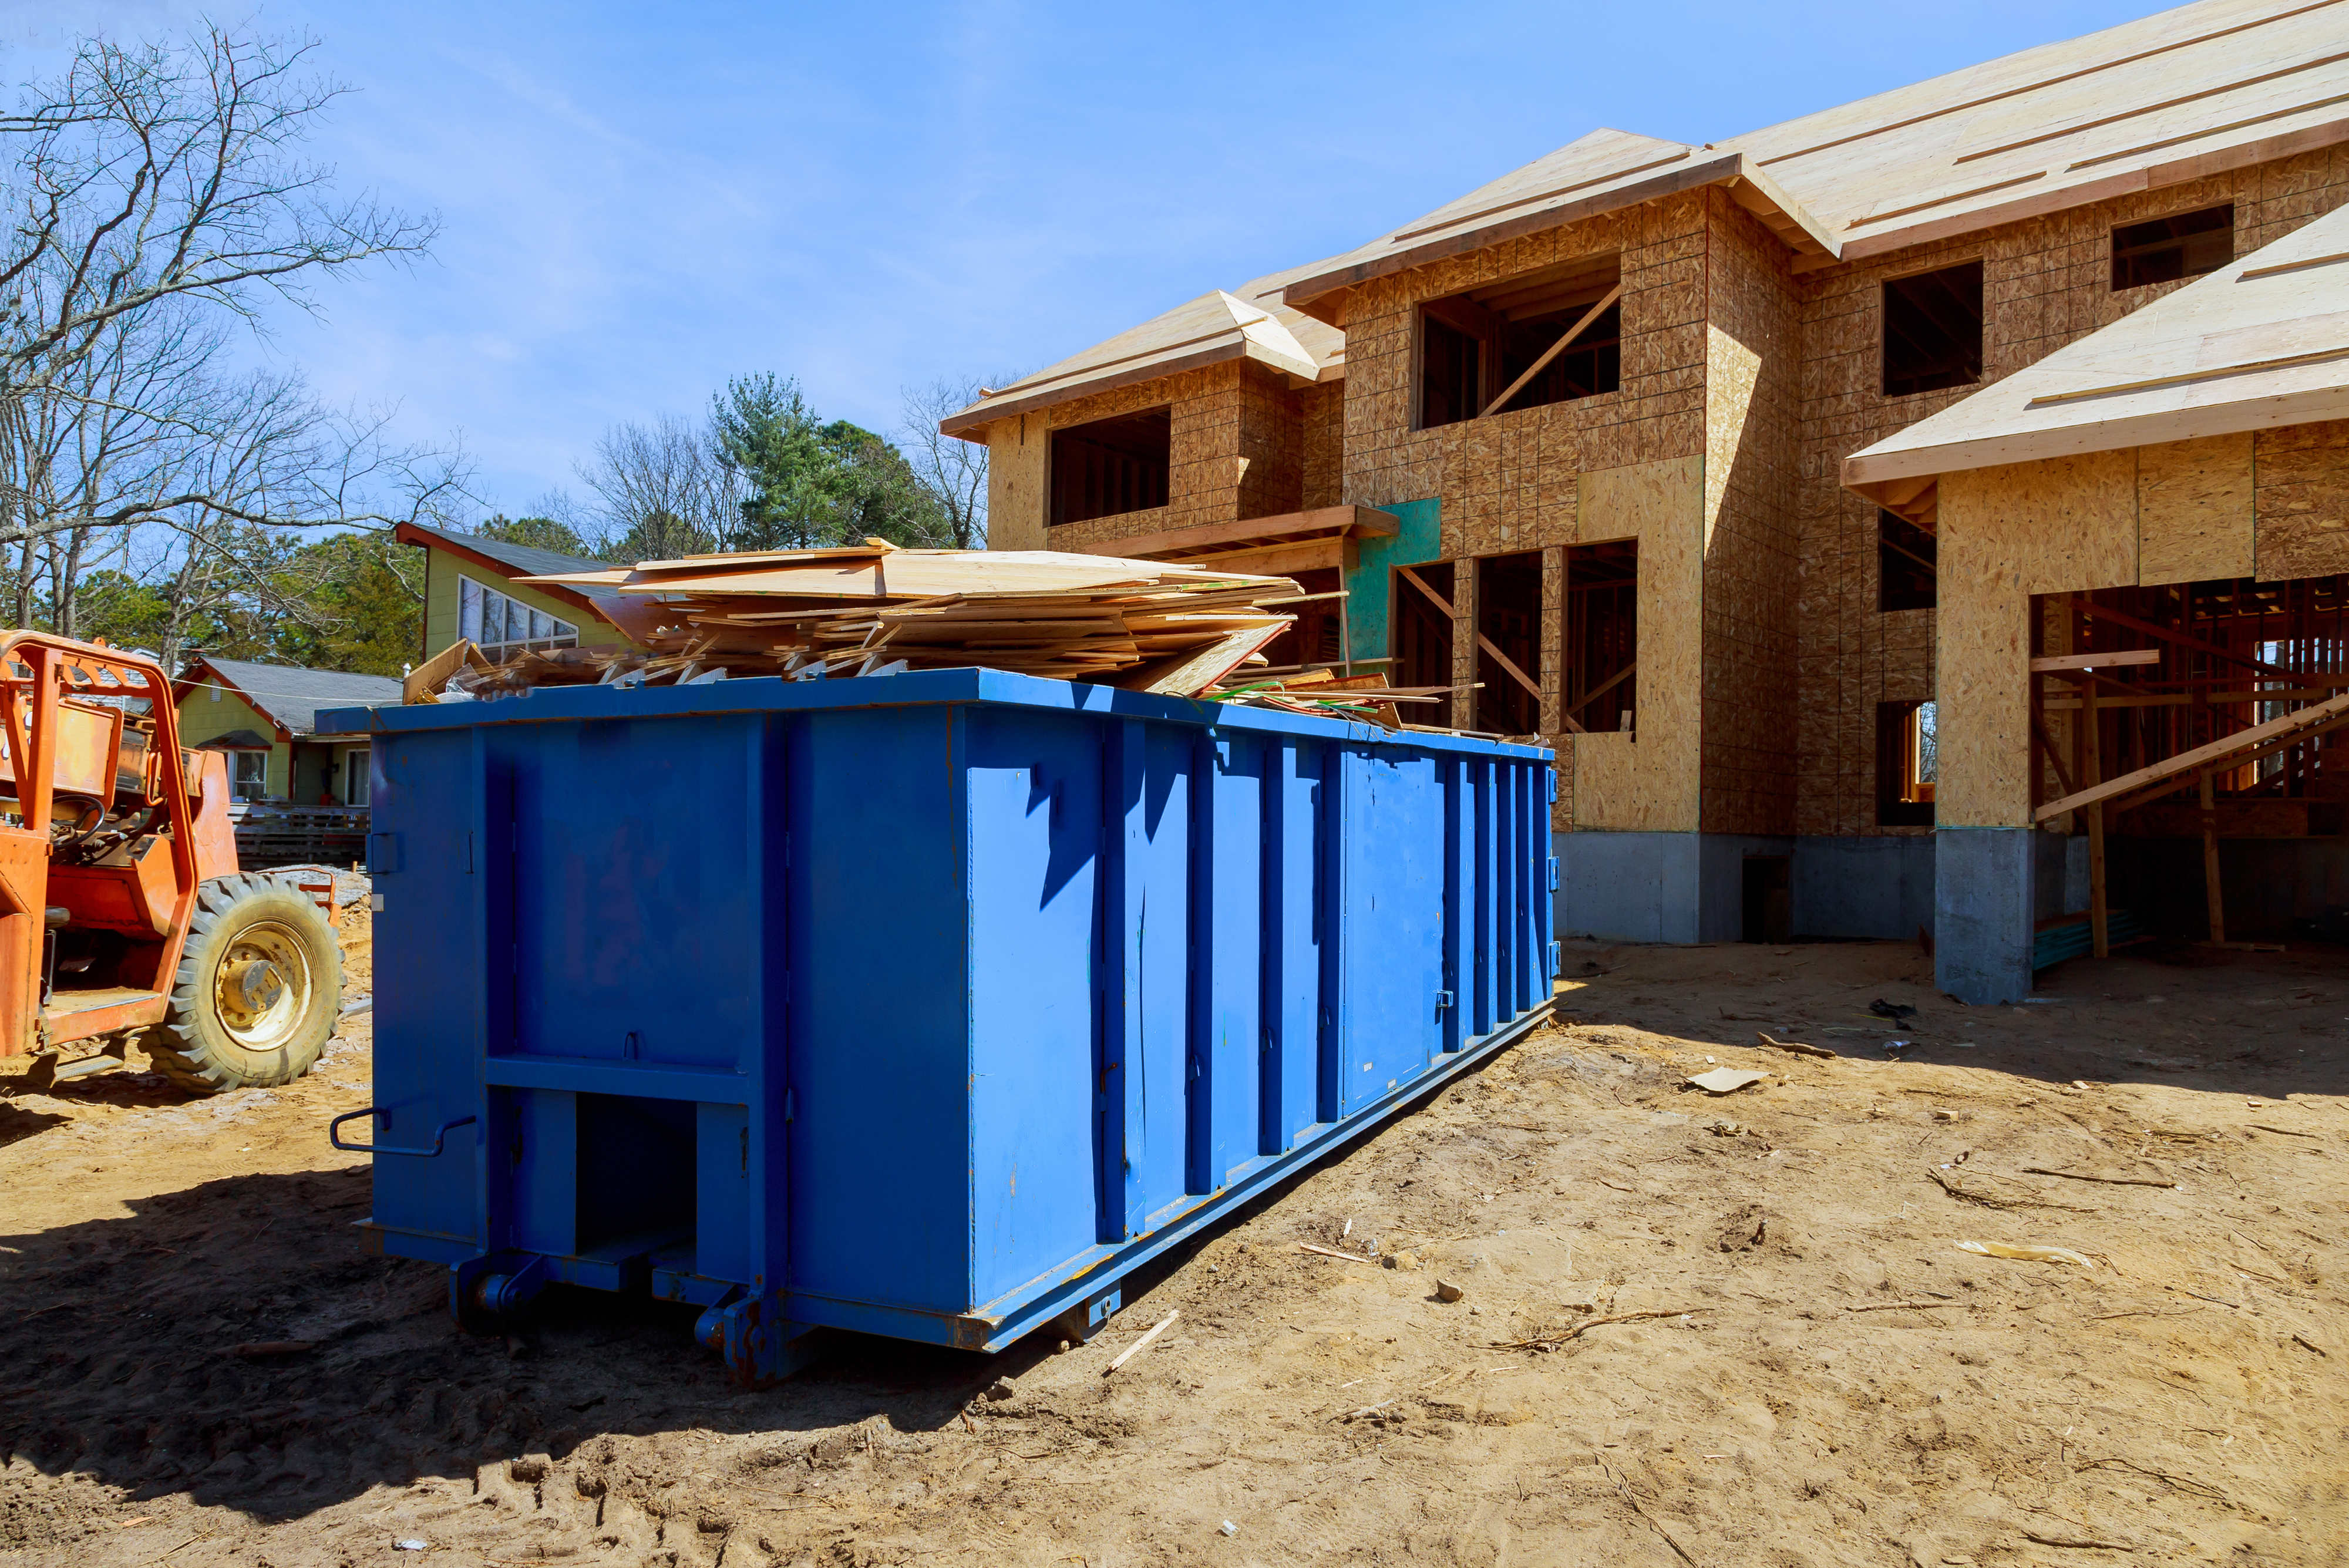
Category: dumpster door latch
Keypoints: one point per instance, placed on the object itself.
(1444, 999)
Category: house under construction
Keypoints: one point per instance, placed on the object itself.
(1925, 514)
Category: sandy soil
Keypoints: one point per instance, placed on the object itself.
(1823, 1376)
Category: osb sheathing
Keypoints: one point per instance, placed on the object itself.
(2047, 282)
(1237, 449)
(1648, 780)
(1753, 351)
(1321, 422)
(1507, 483)
(2194, 509)
(2300, 500)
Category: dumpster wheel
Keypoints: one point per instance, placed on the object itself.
(257, 990)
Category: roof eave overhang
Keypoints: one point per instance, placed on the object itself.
(1317, 295)
(972, 423)
(408, 533)
(1874, 474)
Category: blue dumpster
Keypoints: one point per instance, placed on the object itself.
(926, 1005)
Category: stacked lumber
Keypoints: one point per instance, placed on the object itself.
(1145, 626)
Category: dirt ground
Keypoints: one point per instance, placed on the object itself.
(1695, 1331)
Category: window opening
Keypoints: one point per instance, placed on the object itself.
(501, 624)
(1420, 636)
(1933, 330)
(1106, 468)
(1509, 617)
(2166, 249)
(1475, 345)
(1907, 764)
(1905, 564)
(355, 765)
(248, 775)
(1602, 634)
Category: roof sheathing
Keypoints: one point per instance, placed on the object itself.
(1215, 327)
(2176, 96)
(2260, 343)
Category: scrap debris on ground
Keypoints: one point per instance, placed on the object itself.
(1160, 627)
(1678, 1337)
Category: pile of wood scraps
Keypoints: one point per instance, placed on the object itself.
(1144, 626)
(1328, 694)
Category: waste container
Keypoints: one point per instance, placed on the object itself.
(926, 1005)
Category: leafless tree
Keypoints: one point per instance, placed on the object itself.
(662, 489)
(952, 470)
(157, 191)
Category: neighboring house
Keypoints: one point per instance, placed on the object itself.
(470, 591)
(1604, 403)
(265, 717)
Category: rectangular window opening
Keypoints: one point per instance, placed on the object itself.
(1475, 345)
(2164, 249)
(1933, 330)
(1905, 564)
(1769, 898)
(1602, 634)
(1106, 468)
(1419, 638)
(356, 779)
(1509, 617)
(1907, 764)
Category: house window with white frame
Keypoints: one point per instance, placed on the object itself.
(502, 626)
(248, 775)
(355, 776)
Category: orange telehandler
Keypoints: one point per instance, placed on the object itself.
(122, 912)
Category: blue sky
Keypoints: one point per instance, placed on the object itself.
(639, 200)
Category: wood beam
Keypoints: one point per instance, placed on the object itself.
(1351, 522)
(1555, 350)
(2094, 660)
(2292, 727)
(2153, 629)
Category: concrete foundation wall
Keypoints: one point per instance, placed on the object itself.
(1657, 887)
(1985, 895)
(1855, 888)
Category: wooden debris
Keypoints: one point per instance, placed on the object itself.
(1139, 1345)
(1553, 1341)
(1321, 1251)
(1797, 1047)
(2107, 1181)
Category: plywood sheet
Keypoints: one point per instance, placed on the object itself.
(1652, 784)
(2070, 521)
(2194, 510)
(1984, 691)
(2300, 501)
(1016, 483)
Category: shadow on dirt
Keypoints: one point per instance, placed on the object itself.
(234, 1341)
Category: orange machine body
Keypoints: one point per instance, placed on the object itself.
(107, 829)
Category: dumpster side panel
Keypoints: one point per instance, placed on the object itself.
(1227, 947)
(1294, 916)
(428, 1019)
(880, 1064)
(1146, 925)
(1393, 915)
(1035, 827)
(634, 895)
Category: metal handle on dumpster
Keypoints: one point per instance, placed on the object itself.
(439, 1133)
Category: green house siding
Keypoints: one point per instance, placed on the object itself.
(441, 571)
(208, 712)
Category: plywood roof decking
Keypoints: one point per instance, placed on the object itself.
(1251, 322)
(2184, 93)
(2263, 342)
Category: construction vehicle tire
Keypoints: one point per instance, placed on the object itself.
(258, 987)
